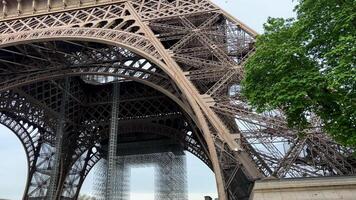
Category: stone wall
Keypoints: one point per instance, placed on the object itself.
(328, 188)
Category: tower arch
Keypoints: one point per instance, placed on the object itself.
(199, 51)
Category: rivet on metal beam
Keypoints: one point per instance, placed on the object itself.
(64, 3)
(4, 8)
(49, 2)
(19, 7)
(34, 6)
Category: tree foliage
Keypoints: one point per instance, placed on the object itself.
(307, 65)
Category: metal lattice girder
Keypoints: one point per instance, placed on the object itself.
(180, 63)
(56, 167)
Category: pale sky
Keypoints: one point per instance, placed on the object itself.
(13, 166)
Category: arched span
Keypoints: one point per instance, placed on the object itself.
(196, 107)
(26, 138)
(131, 41)
(136, 43)
(11, 106)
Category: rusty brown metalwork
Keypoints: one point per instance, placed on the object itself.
(180, 63)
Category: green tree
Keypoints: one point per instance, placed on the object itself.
(307, 65)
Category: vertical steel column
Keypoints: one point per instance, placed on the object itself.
(112, 152)
(51, 192)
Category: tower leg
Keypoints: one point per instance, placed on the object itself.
(54, 189)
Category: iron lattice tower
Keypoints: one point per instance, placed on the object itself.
(179, 64)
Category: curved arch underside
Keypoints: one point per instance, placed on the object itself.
(179, 63)
(35, 109)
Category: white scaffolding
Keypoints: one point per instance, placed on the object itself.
(112, 151)
(170, 175)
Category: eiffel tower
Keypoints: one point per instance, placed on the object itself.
(178, 64)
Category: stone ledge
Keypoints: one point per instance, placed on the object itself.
(327, 188)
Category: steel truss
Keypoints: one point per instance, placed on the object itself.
(180, 63)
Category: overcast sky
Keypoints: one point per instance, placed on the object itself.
(13, 166)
